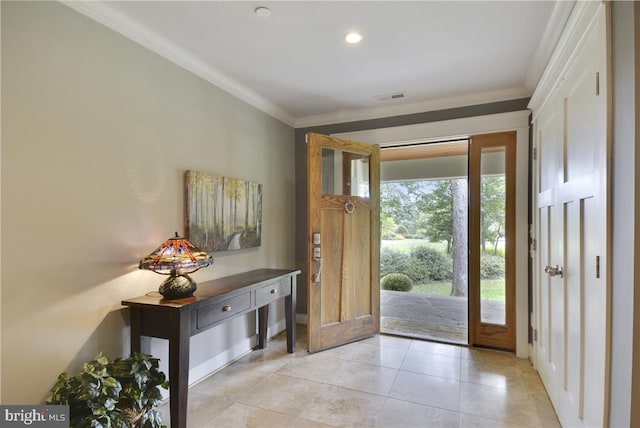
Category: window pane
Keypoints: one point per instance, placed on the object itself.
(345, 173)
(492, 232)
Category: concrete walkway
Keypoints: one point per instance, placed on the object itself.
(435, 317)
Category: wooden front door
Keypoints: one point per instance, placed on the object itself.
(572, 256)
(344, 241)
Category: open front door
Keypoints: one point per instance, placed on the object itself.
(344, 241)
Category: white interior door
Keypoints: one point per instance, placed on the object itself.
(572, 258)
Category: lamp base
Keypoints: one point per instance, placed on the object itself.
(177, 287)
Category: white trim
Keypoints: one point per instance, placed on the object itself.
(582, 17)
(228, 356)
(301, 319)
(207, 368)
(552, 33)
(118, 22)
(418, 107)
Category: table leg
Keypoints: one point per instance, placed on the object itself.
(136, 326)
(180, 322)
(263, 323)
(290, 317)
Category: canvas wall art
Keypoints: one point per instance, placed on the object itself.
(222, 213)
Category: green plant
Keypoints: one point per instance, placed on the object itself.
(438, 265)
(397, 282)
(393, 261)
(402, 230)
(491, 266)
(121, 393)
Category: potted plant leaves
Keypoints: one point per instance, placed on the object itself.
(120, 393)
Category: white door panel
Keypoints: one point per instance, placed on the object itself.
(572, 344)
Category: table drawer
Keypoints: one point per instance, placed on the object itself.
(271, 292)
(217, 311)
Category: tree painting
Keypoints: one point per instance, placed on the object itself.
(223, 213)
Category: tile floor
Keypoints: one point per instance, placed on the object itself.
(383, 381)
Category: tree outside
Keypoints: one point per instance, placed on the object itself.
(432, 248)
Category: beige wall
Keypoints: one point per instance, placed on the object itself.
(96, 135)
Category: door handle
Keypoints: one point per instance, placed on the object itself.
(554, 270)
(317, 257)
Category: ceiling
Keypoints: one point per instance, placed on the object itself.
(295, 65)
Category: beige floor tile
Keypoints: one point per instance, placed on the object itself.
(432, 364)
(501, 404)
(383, 381)
(314, 367)
(384, 356)
(470, 421)
(436, 348)
(241, 415)
(389, 341)
(428, 390)
(232, 382)
(342, 407)
(495, 357)
(284, 394)
(402, 414)
(348, 374)
(364, 377)
(499, 375)
(306, 423)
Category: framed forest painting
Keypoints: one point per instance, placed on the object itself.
(222, 213)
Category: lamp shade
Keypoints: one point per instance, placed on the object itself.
(176, 257)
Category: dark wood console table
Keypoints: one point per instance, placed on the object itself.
(213, 303)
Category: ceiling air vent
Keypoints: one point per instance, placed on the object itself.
(390, 97)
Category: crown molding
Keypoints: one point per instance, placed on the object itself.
(583, 17)
(552, 32)
(418, 107)
(102, 13)
(116, 21)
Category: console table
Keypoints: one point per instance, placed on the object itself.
(213, 303)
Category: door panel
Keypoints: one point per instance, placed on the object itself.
(344, 209)
(573, 307)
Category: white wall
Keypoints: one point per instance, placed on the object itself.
(625, 322)
(97, 133)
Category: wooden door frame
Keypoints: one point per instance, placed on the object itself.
(484, 334)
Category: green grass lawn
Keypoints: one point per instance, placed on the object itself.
(490, 289)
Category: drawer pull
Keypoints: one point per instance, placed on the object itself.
(226, 308)
(274, 290)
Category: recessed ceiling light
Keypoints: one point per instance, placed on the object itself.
(263, 12)
(353, 37)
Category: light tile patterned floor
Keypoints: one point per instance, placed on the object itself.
(384, 381)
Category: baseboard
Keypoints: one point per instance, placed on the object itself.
(212, 365)
(223, 359)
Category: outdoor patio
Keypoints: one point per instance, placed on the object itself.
(435, 317)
